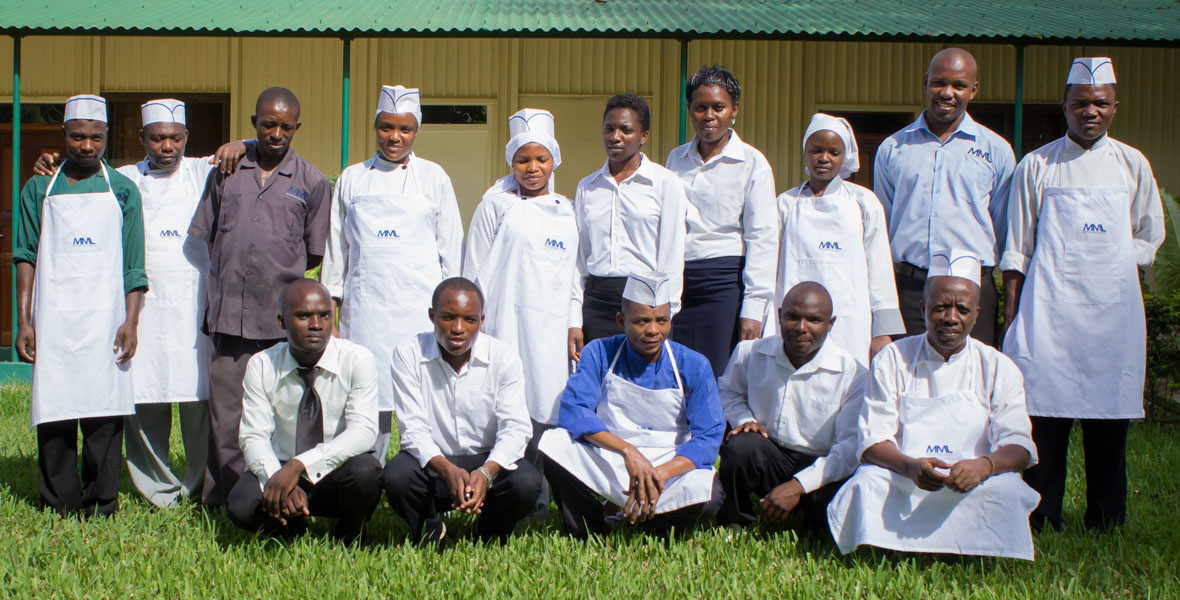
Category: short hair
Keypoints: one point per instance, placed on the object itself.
(714, 75)
(633, 102)
(456, 283)
(276, 95)
(284, 303)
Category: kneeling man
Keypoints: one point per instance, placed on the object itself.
(463, 424)
(943, 435)
(639, 424)
(309, 421)
(793, 400)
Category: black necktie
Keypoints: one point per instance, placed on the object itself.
(309, 423)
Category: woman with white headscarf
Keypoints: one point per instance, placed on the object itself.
(834, 233)
(521, 251)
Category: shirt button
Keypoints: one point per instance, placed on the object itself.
(251, 245)
(245, 306)
(249, 271)
(255, 219)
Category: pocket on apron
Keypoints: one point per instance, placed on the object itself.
(1090, 273)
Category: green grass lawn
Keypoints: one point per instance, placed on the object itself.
(188, 553)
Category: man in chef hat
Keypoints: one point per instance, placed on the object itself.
(79, 257)
(1084, 212)
(394, 234)
(943, 436)
(640, 424)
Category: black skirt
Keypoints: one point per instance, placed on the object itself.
(601, 301)
(709, 309)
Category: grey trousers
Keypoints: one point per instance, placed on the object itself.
(146, 434)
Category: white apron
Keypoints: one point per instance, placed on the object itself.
(1080, 334)
(823, 241)
(653, 421)
(78, 305)
(173, 356)
(526, 274)
(878, 507)
(393, 268)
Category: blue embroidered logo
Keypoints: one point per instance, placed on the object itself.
(1093, 228)
(297, 193)
(977, 153)
(936, 449)
(169, 233)
(83, 241)
(830, 246)
(557, 244)
(387, 233)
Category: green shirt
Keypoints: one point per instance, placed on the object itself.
(28, 224)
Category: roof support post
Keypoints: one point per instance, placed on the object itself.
(346, 73)
(1018, 122)
(683, 83)
(16, 39)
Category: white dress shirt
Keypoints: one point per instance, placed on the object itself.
(479, 409)
(897, 371)
(812, 409)
(378, 177)
(634, 225)
(1077, 167)
(951, 194)
(732, 214)
(347, 386)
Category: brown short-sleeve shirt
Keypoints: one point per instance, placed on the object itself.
(260, 238)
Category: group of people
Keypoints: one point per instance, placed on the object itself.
(836, 348)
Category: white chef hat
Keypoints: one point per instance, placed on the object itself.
(1096, 70)
(955, 263)
(165, 110)
(528, 126)
(649, 288)
(841, 127)
(86, 106)
(395, 99)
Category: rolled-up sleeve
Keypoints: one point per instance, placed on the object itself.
(360, 422)
(706, 421)
(410, 404)
(134, 271)
(1024, 207)
(513, 428)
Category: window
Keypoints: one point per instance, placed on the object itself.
(1043, 123)
(455, 114)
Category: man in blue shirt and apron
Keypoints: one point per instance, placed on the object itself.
(640, 424)
(80, 282)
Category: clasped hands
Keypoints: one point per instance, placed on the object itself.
(468, 489)
(282, 498)
(963, 477)
(646, 484)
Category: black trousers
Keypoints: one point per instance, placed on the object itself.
(226, 371)
(911, 281)
(97, 493)
(582, 510)
(419, 496)
(709, 308)
(349, 493)
(752, 465)
(533, 455)
(1104, 442)
(601, 301)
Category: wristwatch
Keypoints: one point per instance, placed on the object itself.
(488, 474)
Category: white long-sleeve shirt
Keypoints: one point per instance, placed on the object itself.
(638, 224)
(1074, 166)
(911, 367)
(379, 177)
(347, 386)
(479, 409)
(812, 409)
(733, 214)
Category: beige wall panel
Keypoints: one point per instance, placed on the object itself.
(311, 69)
(52, 68)
(465, 153)
(589, 66)
(166, 64)
(451, 68)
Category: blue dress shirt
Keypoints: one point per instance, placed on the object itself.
(583, 392)
(940, 196)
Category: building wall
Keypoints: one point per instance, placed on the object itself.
(783, 84)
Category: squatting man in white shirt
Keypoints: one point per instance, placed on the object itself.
(793, 400)
(309, 422)
(463, 424)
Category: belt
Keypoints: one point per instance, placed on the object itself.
(595, 282)
(915, 272)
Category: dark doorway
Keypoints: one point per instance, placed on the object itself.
(870, 129)
(207, 116)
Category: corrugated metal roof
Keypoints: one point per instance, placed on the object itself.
(1049, 20)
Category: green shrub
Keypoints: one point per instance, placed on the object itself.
(1161, 392)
